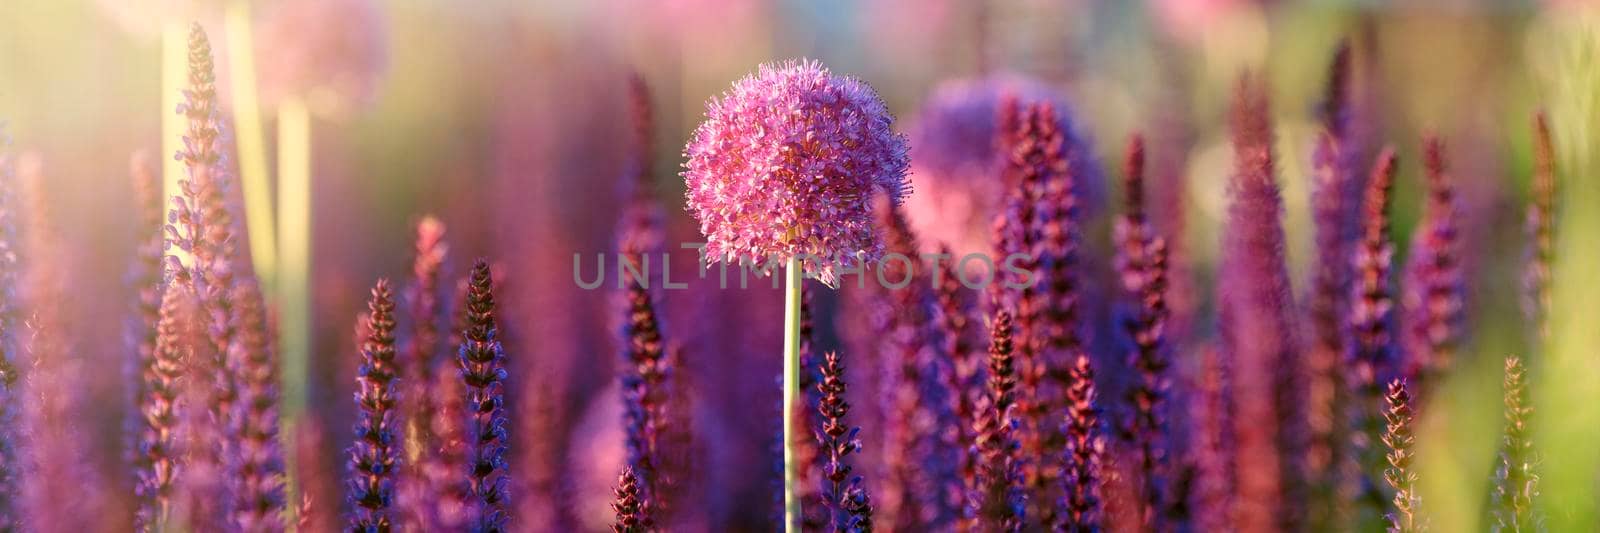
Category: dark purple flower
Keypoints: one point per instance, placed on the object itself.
(1435, 288)
(788, 162)
(376, 454)
(997, 500)
(1370, 357)
(1400, 475)
(260, 472)
(840, 490)
(482, 363)
(1081, 477)
(1254, 308)
(1339, 173)
(1142, 269)
(643, 376)
(632, 508)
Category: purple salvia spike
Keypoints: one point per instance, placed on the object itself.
(203, 226)
(1515, 482)
(1059, 338)
(997, 499)
(1540, 228)
(643, 376)
(260, 502)
(1142, 269)
(444, 467)
(1400, 474)
(962, 379)
(632, 508)
(377, 451)
(159, 452)
(315, 476)
(1254, 315)
(923, 491)
(1081, 507)
(1338, 175)
(1370, 357)
(806, 452)
(145, 277)
(1033, 150)
(421, 356)
(1211, 448)
(482, 370)
(838, 441)
(1435, 291)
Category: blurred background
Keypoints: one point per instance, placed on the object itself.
(505, 119)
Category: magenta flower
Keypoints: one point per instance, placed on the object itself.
(786, 165)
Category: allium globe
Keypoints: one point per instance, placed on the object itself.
(787, 164)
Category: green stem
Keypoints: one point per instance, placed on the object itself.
(791, 393)
(251, 144)
(294, 249)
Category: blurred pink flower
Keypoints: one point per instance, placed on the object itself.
(787, 163)
(330, 52)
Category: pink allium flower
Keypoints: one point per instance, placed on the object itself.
(787, 163)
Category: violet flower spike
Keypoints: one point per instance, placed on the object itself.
(376, 453)
(260, 499)
(482, 369)
(1257, 340)
(201, 224)
(841, 491)
(145, 277)
(643, 377)
(956, 323)
(997, 500)
(1142, 268)
(160, 457)
(1435, 289)
(631, 508)
(1081, 476)
(1370, 357)
(423, 355)
(923, 492)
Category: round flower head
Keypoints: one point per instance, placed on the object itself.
(956, 160)
(787, 164)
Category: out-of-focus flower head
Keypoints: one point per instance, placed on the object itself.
(329, 52)
(787, 164)
(956, 153)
